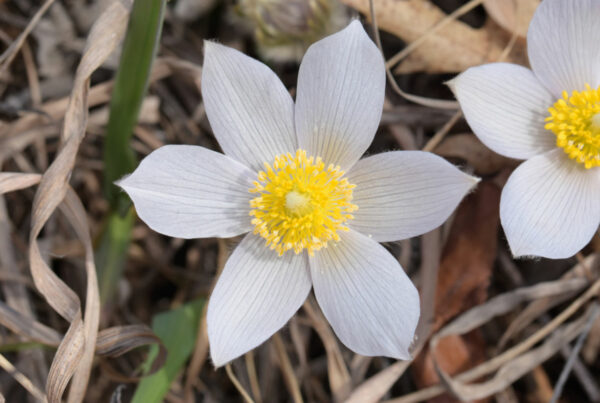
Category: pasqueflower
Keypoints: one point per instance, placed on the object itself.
(550, 117)
(291, 177)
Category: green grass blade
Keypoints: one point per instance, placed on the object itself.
(131, 82)
(139, 50)
(112, 251)
(177, 329)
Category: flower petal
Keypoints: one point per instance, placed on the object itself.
(370, 302)
(257, 293)
(402, 194)
(563, 45)
(250, 111)
(506, 105)
(341, 87)
(191, 192)
(549, 206)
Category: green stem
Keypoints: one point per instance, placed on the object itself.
(131, 82)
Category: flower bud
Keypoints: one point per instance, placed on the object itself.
(284, 29)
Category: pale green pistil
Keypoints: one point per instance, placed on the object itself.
(297, 204)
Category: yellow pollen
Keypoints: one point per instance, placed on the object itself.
(575, 120)
(301, 203)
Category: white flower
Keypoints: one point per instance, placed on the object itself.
(291, 174)
(550, 117)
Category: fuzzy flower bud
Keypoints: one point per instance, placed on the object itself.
(284, 29)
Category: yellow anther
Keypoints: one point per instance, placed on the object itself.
(575, 120)
(301, 204)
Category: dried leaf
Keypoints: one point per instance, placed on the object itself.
(463, 279)
(76, 352)
(455, 353)
(468, 255)
(28, 327)
(512, 15)
(116, 341)
(11, 181)
(453, 48)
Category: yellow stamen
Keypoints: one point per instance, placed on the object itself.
(575, 120)
(302, 204)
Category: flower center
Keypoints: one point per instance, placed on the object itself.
(301, 203)
(297, 204)
(575, 120)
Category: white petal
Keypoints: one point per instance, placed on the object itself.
(506, 105)
(402, 194)
(564, 45)
(191, 192)
(250, 111)
(257, 293)
(341, 87)
(370, 302)
(549, 206)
